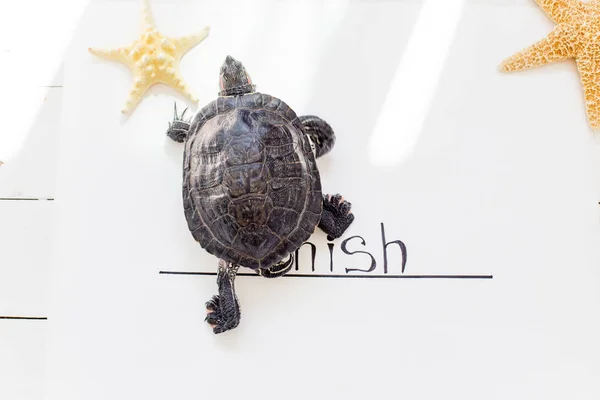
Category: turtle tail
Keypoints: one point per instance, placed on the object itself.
(180, 127)
(320, 133)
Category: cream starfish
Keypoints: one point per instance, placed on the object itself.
(577, 36)
(153, 58)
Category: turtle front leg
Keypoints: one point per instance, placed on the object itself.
(179, 128)
(224, 309)
(336, 217)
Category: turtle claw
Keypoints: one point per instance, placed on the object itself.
(345, 208)
(337, 201)
(213, 304)
(213, 318)
(336, 217)
(220, 322)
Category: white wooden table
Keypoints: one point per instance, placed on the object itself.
(29, 146)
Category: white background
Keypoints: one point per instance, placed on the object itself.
(490, 173)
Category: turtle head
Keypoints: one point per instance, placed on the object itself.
(234, 79)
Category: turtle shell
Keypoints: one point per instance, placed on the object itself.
(251, 188)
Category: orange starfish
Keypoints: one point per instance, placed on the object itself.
(576, 35)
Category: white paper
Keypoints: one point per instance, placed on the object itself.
(490, 175)
(25, 256)
(22, 351)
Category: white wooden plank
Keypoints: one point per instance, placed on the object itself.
(26, 232)
(595, 154)
(486, 183)
(29, 144)
(26, 69)
(22, 359)
(31, 54)
(33, 37)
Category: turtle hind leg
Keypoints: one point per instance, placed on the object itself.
(320, 132)
(277, 270)
(336, 216)
(224, 309)
(179, 128)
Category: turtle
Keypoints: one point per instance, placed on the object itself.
(251, 187)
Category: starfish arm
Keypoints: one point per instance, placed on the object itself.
(121, 54)
(175, 80)
(185, 43)
(185, 91)
(147, 22)
(140, 86)
(559, 11)
(589, 70)
(555, 47)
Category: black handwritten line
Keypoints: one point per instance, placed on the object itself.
(29, 318)
(343, 276)
(25, 199)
